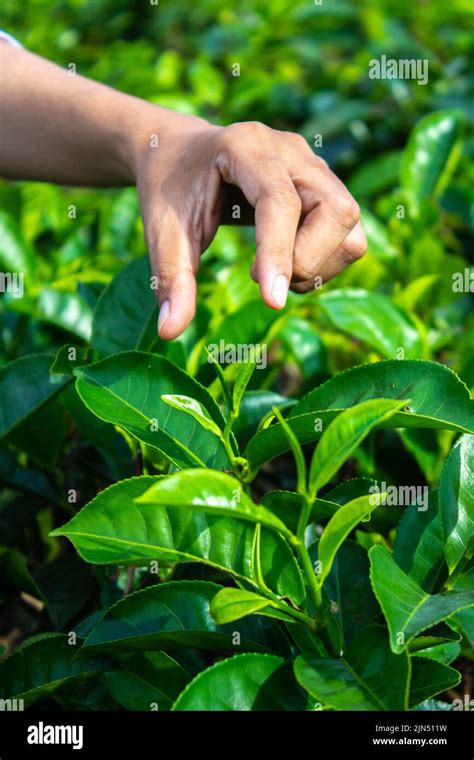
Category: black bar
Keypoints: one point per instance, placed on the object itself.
(117, 735)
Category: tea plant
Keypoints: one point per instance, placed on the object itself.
(310, 617)
(295, 533)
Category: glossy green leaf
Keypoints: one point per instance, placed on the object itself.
(42, 665)
(456, 502)
(349, 588)
(350, 489)
(124, 309)
(416, 291)
(248, 326)
(42, 433)
(28, 479)
(234, 603)
(374, 319)
(432, 153)
(110, 444)
(244, 682)
(339, 526)
(147, 681)
(304, 345)
(408, 610)
(342, 493)
(113, 528)
(287, 505)
(430, 678)
(26, 386)
(126, 390)
(438, 399)
(241, 381)
(419, 545)
(379, 242)
(306, 640)
(464, 620)
(298, 454)
(195, 409)
(65, 310)
(129, 300)
(253, 408)
(68, 358)
(91, 695)
(368, 677)
(211, 492)
(224, 383)
(444, 653)
(343, 436)
(15, 574)
(376, 174)
(435, 636)
(66, 584)
(174, 615)
(424, 446)
(16, 254)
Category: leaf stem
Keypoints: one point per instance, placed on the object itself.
(303, 518)
(308, 568)
(298, 616)
(297, 452)
(287, 609)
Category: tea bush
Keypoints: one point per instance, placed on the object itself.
(298, 520)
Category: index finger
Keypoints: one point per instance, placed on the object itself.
(267, 186)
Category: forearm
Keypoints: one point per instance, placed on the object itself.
(64, 128)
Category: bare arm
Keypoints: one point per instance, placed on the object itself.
(64, 128)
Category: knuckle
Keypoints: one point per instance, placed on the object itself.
(165, 276)
(296, 139)
(360, 249)
(354, 253)
(321, 163)
(279, 253)
(170, 276)
(347, 210)
(228, 139)
(243, 130)
(284, 195)
(303, 272)
(256, 128)
(241, 139)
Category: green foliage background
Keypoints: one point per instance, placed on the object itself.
(398, 145)
(304, 67)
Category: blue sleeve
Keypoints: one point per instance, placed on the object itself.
(8, 38)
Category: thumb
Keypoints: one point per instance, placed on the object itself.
(174, 262)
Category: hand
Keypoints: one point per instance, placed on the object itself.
(307, 223)
(74, 131)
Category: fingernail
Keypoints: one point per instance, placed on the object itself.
(280, 289)
(164, 314)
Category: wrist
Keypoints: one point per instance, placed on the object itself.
(150, 127)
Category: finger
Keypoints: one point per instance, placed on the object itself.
(324, 230)
(330, 212)
(174, 262)
(267, 186)
(352, 249)
(277, 215)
